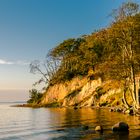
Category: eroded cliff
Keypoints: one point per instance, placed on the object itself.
(81, 92)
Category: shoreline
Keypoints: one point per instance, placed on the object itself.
(73, 107)
(110, 109)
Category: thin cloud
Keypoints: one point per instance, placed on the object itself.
(22, 63)
(5, 62)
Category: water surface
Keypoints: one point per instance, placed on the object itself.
(17, 123)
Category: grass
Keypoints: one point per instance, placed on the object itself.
(53, 104)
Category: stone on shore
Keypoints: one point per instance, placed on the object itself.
(120, 126)
(75, 108)
(111, 109)
(129, 111)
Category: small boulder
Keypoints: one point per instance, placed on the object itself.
(118, 110)
(75, 107)
(111, 109)
(99, 128)
(129, 111)
(124, 110)
(120, 126)
(85, 127)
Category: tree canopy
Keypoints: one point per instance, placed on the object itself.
(110, 53)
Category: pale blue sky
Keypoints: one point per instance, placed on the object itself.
(29, 28)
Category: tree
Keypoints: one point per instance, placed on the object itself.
(71, 59)
(35, 96)
(46, 69)
(125, 32)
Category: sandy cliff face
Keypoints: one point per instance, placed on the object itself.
(80, 92)
(59, 91)
(83, 96)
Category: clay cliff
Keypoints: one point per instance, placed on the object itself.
(83, 92)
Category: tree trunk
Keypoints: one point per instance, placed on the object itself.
(126, 104)
(133, 87)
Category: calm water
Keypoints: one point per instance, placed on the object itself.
(62, 124)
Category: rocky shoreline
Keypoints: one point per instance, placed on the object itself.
(123, 110)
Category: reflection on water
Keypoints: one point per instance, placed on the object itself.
(63, 124)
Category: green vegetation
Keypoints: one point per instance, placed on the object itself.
(54, 104)
(35, 97)
(99, 92)
(73, 93)
(111, 53)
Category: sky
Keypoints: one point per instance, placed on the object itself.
(30, 28)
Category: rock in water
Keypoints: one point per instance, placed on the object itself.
(86, 127)
(99, 128)
(120, 126)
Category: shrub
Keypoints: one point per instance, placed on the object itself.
(35, 96)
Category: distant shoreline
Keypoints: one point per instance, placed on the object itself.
(13, 102)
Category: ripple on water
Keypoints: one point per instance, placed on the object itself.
(51, 124)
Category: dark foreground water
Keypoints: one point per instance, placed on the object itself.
(62, 124)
